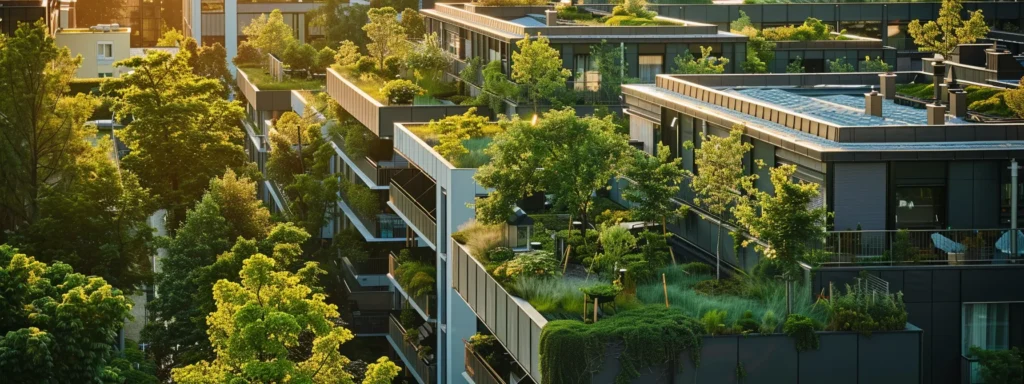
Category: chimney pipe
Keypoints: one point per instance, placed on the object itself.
(958, 102)
(936, 114)
(888, 85)
(938, 75)
(550, 17)
(873, 103)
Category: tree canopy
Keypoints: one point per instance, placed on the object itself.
(182, 132)
(270, 34)
(386, 35)
(949, 30)
(655, 180)
(538, 68)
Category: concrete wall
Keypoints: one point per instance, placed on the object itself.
(85, 43)
(934, 297)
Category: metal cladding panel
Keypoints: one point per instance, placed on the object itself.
(501, 318)
(524, 340)
(491, 303)
(860, 196)
(834, 362)
(768, 359)
(535, 350)
(718, 358)
(889, 357)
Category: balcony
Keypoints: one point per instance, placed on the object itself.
(381, 226)
(478, 369)
(423, 371)
(259, 99)
(421, 303)
(918, 247)
(513, 321)
(412, 196)
(372, 169)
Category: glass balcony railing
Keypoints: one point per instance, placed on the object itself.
(419, 216)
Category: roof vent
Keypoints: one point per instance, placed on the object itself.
(873, 103)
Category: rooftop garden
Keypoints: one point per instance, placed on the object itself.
(629, 13)
(1006, 103)
(270, 38)
(460, 139)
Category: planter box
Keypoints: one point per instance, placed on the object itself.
(259, 100)
(380, 118)
(842, 358)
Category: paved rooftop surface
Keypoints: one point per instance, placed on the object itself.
(840, 109)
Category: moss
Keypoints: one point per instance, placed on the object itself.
(628, 20)
(571, 351)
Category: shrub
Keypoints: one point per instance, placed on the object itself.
(1003, 366)
(730, 287)
(500, 254)
(580, 249)
(410, 319)
(811, 29)
(348, 54)
(769, 323)
(876, 65)
(654, 248)
(300, 57)
(802, 329)
(417, 278)
(479, 238)
(400, 92)
(747, 324)
(392, 64)
(796, 66)
(697, 268)
(493, 353)
(864, 311)
(571, 12)
(839, 65)
(602, 290)
(365, 64)
(714, 322)
(616, 242)
(534, 263)
(324, 59)
(247, 55)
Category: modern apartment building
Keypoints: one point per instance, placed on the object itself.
(222, 21)
(100, 47)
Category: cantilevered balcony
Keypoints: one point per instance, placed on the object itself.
(379, 226)
(424, 304)
(422, 370)
(375, 167)
(413, 197)
(479, 370)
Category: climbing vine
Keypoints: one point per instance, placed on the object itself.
(571, 351)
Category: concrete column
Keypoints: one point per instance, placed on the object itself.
(231, 31)
(302, 27)
(196, 21)
(936, 114)
(460, 321)
(550, 17)
(888, 85)
(944, 92)
(958, 102)
(873, 103)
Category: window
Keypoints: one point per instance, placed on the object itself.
(452, 42)
(986, 326)
(650, 67)
(522, 236)
(105, 50)
(587, 78)
(105, 74)
(920, 207)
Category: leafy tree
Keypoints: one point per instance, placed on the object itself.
(949, 30)
(741, 24)
(718, 177)
(760, 52)
(210, 61)
(228, 211)
(247, 55)
(538, 67)
(784, 220)
(348, 54)
(171, 38)
(182, 131)
(572, 156)
(324, 59)
(271, 327)
(42, 132)
(428, 60)
(341, 21)
(496, 88)
(706, 64)
(300, 161)
(839, 65)
(612, 68)
(134, 366)
(999, 367)
(300, 57)
(386, 35)
(100, 217)
(412, 21)
(59, 326)
(876, 65)
(453, 130)
(795, 66)
(270, 34)
(655, 181)
(381, 372)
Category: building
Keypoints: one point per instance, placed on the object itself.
(99, 46)
(29, 11)
(223, 21)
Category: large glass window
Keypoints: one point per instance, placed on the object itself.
(650, 67)
(986, 326)
(452, 42)
(587, 78)
(920, 207)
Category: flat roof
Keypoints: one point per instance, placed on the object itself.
(842, 106)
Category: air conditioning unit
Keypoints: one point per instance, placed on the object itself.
(105, 27)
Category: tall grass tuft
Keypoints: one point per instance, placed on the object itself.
(479, 238)
(561, 298)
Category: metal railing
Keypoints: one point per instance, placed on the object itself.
(378, 172)
(479, 370)
(969, 370)
(370, 266)
(382, 225)
(945, 246)
(422, 301)
(419, 217)
(423, 369)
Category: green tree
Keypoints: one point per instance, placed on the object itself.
(719, 176)
(325, 57)
(795, 66)
(760, 52)
(784, 219)
(949, 30)
(101, 217)
(59, 326)
(999, 367)
(428, 60)
(300, 57)
(42, 132)
(386, 35)
(341, 21)
(538, 67)
(171, 38)
(182, 131)
(348, 54)
(496, 88)
(573, 156)
(706, 64)
(209, 61)
(271, 327)
(412, 21)
(655, 180)
(228, 211)
(612, 67)
(453, 130)
(134, 366)
(381, 372)
(270, 34)
(839, 65)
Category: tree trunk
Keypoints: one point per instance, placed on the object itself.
(718, 252)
